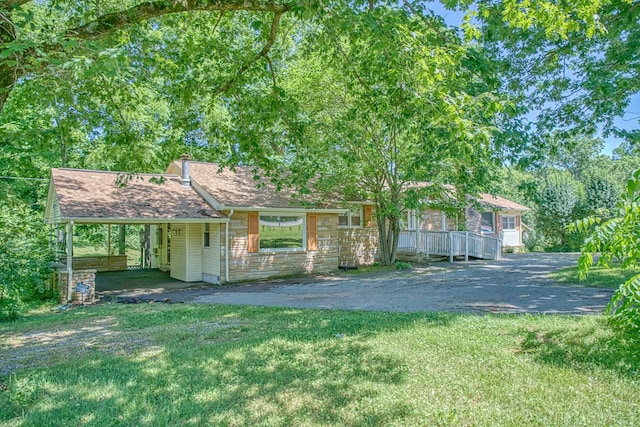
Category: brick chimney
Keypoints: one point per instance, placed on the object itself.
(185, 180)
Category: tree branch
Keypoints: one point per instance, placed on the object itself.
(111, 22)
(432, 27)
(12, 4)
(275, 23)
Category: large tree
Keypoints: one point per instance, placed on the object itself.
(575, 65)
(41, 38)
(374, 101)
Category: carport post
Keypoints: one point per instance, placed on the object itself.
(69, 260)
(498, 248)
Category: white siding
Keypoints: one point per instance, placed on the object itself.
(194, 252)
(179, 251)
(211, 255)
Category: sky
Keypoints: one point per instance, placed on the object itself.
(630, 121)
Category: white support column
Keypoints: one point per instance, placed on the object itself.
(426, 244)
(69, 259)
(417, 239)
(466, 246)
(450, 247)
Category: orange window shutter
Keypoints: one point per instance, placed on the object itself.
(253, 241)
(498, 222)
(517, 222)
(312, 232)
(367, 216)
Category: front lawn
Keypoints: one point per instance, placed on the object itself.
(598, 277)
(183, 365)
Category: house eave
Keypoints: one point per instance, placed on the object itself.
(81, 220)
(282, 209)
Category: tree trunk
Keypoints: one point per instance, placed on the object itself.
(388, 236)
(9, 70)
(147, 247)
(122, 240)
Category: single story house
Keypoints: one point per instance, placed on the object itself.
(220, 225)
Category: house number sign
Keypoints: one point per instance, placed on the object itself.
(83, 288)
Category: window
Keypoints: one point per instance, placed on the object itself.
(486, 222)
(351, 217)
(207, 235)
(282, 232)
(509, 222)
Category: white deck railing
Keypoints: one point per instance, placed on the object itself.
(451, 244)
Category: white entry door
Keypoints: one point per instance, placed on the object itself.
(510, 233)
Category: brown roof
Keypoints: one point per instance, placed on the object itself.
(501, 202)
(238, 187)
(496, 202)
(84, 194)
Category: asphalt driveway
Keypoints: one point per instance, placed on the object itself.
(515, 284)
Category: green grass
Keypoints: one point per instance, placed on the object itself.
(86, 249)
(598, 277)
(175, 365)
(281, 237)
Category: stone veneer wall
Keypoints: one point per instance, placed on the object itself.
(432, 220)
(88, 277)
(359, 246)
(247, 266)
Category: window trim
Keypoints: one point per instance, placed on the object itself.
(511, 217)
(493, 222)
(349, 211)
(206, 236)
(279, 214)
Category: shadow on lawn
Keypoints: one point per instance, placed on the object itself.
(227, 365)
(584, 350)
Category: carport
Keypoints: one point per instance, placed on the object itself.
(98, 197)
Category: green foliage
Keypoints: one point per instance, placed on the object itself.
(557, 203)
(617, 240)
(574, 63)
(535, 241)
(386, 97)
(24, 256)
(600, 198)
(401, 265)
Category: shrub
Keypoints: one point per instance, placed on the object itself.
(401, 265)
(617, 240)
(24, 256)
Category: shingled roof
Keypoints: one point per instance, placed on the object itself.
(239, 188)
(501, 203)
(94, 196)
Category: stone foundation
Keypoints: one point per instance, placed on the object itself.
(88, 277)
